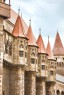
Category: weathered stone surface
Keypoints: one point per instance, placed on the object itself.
(30, 83)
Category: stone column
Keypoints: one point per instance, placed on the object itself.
(1, 53)
(17, 81)
(30, 83)
(40, 86)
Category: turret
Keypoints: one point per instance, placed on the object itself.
(20, 43)
(51, 63)
(42, 67)
(50, 82)
(42, 58)
(32, 50)
(58, 52)
(19, 56)
(32, 62)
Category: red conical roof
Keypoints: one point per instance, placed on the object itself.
(58, 47)
(31, 37)
(40, 44)
(18, 28)
(49, 51)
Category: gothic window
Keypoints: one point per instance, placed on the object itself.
(43, 67)
(51, 72)
(58, 92)
(21, 53)
(32, 60)
(6, 48)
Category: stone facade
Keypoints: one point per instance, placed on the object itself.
(24, 70)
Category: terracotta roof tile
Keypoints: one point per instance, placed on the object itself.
(18, 28)
(40, 44)
(49, 51)
(13, 18)
(31, 37)
(58, 47)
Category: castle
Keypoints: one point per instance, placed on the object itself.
(26, 67)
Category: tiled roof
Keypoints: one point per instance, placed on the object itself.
(18, 28)
(31, 37)
(58, 47)
(40, 44)
(13, 18)
(49, 50)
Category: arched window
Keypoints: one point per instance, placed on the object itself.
(62, 93)
(58, 92)
(3, 93)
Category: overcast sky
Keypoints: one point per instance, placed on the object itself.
(45, 14)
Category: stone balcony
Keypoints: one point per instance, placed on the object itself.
(4, 10)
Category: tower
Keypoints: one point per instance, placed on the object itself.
(42, 67)
(32, 62)
(4, 14)
(50, 82)
(19, 50)
(58, 52)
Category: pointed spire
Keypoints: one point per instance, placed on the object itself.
(19, 11)
(18, 28)
(30, 21)
(30, 36)
(40, 31)
(58, 47)
(40, 44)
(49, 50)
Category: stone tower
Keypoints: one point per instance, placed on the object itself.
(4, 14)
(42, 68)
(58, 52)
(19, 50)
(50, 83)
(32, 62)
